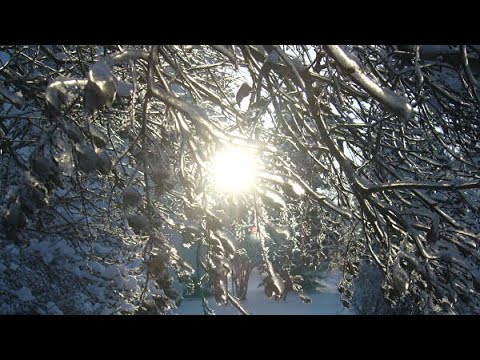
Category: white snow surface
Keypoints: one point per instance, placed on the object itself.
(24, 294)
(324, 302)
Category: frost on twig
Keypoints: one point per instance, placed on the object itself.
(14, 98)
(387, 97)
(57, 92)
(101, 87)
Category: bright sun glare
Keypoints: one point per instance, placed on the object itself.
(234, 170)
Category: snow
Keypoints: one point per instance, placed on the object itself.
(23, 270)
(24, 294)
(14, 98)
(136, 264)
(119, 282)
(65, 249)
(129, 283)
(111, 272)
(127, 307)
(12, 249)
(102, 250)
(97, 291)
(326, 302)
(53, 309)
(43, 247)
(97, 267)
(4, 57)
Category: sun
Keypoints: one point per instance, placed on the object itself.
(234, 170)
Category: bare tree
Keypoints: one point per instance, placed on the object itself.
(369, 150)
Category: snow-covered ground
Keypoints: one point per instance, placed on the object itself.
(326, 302)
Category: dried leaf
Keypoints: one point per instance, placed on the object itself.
(305, 299)
(243, 92)
(46, 170)
(57, 92)
(132, 197)
(101, 88)
(86, 157)
(400, 278)
(433, 233)
(273, 198)
(74, 133)
(279, 232)
(220, 292)
(227, 239)
(98, 137)
(15, 217)
(278, 283)
(104, 163)
(138, 223)
(62, 152)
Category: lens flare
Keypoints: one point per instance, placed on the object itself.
(234, 170)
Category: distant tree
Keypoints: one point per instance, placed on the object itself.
(368, 152)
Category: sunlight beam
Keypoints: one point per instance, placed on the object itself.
(234, 170)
